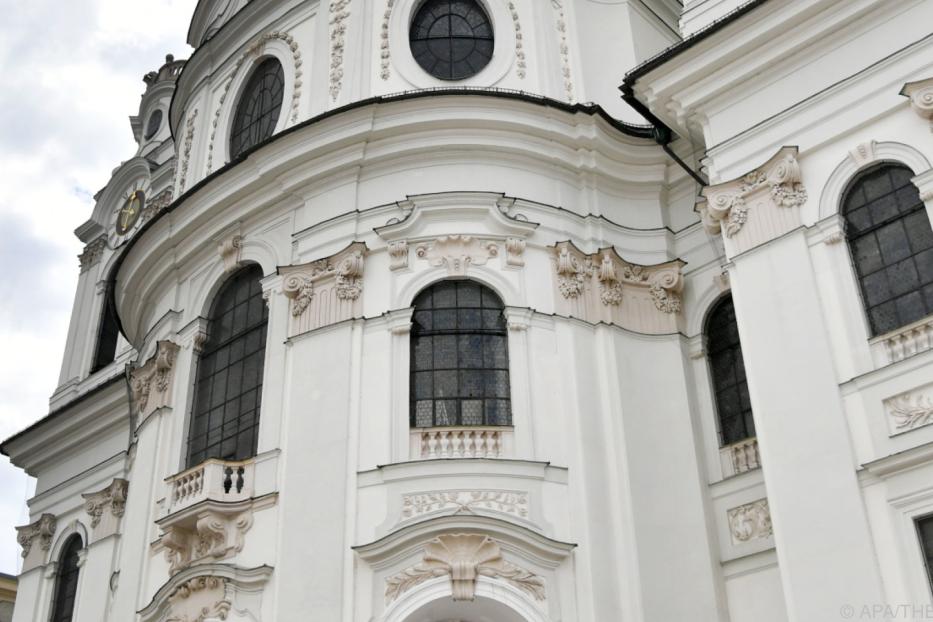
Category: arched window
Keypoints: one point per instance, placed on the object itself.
(228, 389)
(258, 109)
(891, 242)
(451, 39)
(459, 357)
(108, 332)
(66, 581)
(724, 351)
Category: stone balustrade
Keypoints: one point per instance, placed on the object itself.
(909, 340)
(215, 480)
(740, 457)
(461, 442)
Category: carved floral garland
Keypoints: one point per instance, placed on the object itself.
(520, 65)
(384, 42)
(186, 151)
(338, 31)
(506, 502)
(564, 48)
(92, 253)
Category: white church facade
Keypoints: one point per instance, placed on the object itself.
(504, 310)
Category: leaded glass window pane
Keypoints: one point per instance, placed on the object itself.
(459, 357)
(891, 243)
(259, 107)
(66, 581)
(727, 370)
(925, 532)
(452, 39)
(228, 389)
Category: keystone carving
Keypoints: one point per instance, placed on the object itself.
(151, 383)
(751, 521)
(514, 252)
(398, 255)
(778, 182)
(112, 499)
(199, 599)
(229, 250)
(457, 253)
(464, 557)
(921, 98)
(41, 530)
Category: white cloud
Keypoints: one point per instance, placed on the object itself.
(72, 76)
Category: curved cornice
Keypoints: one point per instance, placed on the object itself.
(622, 139)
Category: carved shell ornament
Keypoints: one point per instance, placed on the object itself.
(464, 558)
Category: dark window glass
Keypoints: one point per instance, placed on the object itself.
(459, 357)
(228, 389)
(727, 370)
(451, 39)
(891, 243)
(107, 334)
(66, 581)
(259, 107)
(155, 122)
(925, 531)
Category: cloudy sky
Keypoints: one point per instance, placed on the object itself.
(72, 74)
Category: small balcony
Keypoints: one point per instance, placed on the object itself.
(903, 343)
(213, 480)
(461, 442)
(740, 457)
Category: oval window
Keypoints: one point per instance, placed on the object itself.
(155, 122)
(452, 39)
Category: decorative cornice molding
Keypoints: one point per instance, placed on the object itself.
(464, 557)
(339, 12)
(42, 529)
(92, 253)
(751, 521)
(112, 498)
(921, 98)
(457, 253)
(727, 204)
(341, 274)
(152, 382)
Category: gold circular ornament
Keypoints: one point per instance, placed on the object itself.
(129, 213)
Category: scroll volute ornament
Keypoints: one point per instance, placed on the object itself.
(42, 530)
(758, 206)
(325, 291)
(152, 382)
(921, 98)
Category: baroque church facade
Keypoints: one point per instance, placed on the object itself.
(504, 310)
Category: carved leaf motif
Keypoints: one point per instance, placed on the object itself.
(526, 581)
(750, 522)
(912, 413)
(407, 579)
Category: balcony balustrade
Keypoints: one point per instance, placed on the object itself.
(461, 442)
(740, 457)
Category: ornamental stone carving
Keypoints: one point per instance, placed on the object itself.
(229, 250)
(339, 13)
(186, 145)
(514, 252)
(199, 599)
(595, 287)
(564, 48)
(152, 208)
(209, 535)
(151, 384)
(325, 291)
(769, 196)
(457, 253)
(910, 410)
(464, 557)
(385, 55)
(41, 530)
(501, 501)
(749, 522)
(92, 253)
(398, 255)
(921, 98)
(105, 507)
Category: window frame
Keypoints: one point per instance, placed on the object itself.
(851, 238)
(451, 75)
(750, 431)
(201, 413)
(501, 372)
(67, 550)
(244, 92)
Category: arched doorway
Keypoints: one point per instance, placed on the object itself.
(493, 602)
